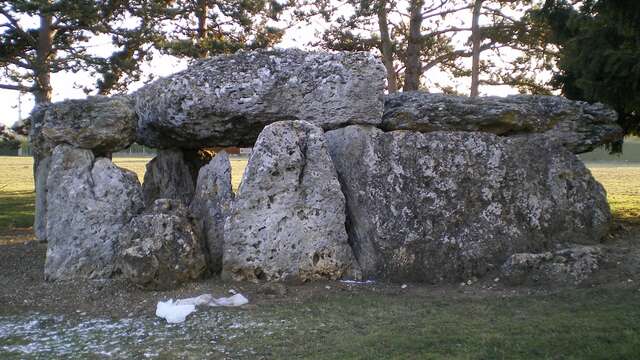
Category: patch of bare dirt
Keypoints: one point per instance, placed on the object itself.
(23, 289)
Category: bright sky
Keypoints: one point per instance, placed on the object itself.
(68, 85)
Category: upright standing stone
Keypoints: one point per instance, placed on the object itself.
(211, 205)
(40, 216)
(89, 201)
(287, 222)
(168, 176)
(452, 205)
(227, 100)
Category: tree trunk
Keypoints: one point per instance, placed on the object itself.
(413, 65)
(386, 47)
(475, 51)
(201, 14)
(42, 72)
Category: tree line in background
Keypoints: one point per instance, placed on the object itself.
(591, 47)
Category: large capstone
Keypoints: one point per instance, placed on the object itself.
(445, 206)
(100, 123)
(211, 205)
(227, 100)
(288, 218)
(161, 248)
(89, 201)
(579, 126)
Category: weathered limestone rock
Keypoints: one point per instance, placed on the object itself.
(287, 221)
(88, 203)
(99, 123)
(227, 100)
(172, 174)
(577, 125)
(569, 266)
(211, 205)
(40, 216)
(452, 205)
(161, 248)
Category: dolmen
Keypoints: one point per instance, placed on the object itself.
(343, 182)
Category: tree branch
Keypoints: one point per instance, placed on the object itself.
(14, 24)
(16, 87)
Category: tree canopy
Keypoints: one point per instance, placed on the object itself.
(599, 57)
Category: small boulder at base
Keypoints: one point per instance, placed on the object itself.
(211, 205)
(89, 201)
(288, 219)
(446, 206)
(577, 125)
(99, 123)
(161, 248)
(570, 266)
(228, 99)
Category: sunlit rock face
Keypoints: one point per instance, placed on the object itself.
(288, 219)
(444, 206)
(578, 126)
(99, 123)
(89, 201)
(227, 100)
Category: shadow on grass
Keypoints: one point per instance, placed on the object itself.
(16, 210)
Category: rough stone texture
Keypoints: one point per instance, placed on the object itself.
(288, 218)
(100, 123)
(569, 266)
(211, 205)
(452, 205)
(577, 125)
(227, 100)
(161, 248)
(88, 203)
(172, 174)
(40, 218)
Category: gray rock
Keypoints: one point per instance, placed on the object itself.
(99, 123)
(161, 248)
(288, 220)
(452, 205)
(40, 216)
(211, 205)
(88, 204)
(227, 100)
(577, 125)
(172, 174)
(570, 266)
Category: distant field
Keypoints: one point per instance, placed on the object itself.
(620, 179)
(17, 194)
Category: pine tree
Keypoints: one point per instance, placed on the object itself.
(59, 41)
(599, 58)
(201, 28)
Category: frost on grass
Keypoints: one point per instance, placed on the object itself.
(207, 334)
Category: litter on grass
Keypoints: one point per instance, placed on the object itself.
(177, 311)
(355, 282)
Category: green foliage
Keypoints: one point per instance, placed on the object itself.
(200, 28)
(38, 38)
(599, 53)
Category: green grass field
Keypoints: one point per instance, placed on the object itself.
(17, 195)
(620, 179)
